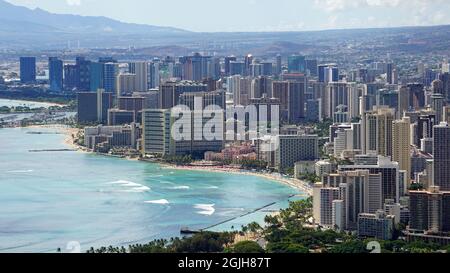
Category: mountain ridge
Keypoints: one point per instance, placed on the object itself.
(70, 23)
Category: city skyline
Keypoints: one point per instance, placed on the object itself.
(255, 16)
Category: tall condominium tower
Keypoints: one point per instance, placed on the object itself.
(27, 69)
(140, 69)
(55, 67)
(441, 153)
(401, 135)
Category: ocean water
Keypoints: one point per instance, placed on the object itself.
(49, 199)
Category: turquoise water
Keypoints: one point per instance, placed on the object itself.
(50, 199)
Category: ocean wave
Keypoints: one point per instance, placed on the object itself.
(180, 188)
(205, 209)
(158, 202)
(21, 171)
(130, 186)
(212, 187)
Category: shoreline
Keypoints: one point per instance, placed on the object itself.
(302, 186)
(24, 101)
(294, 183)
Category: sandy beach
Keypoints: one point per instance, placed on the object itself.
(71, 133)
(294, 183)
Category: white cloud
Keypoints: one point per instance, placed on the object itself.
(419, 12)
(338, 5)
(73, 2)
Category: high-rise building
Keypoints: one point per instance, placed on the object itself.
(292, 99)
(296, 64)
(416, 96)
(390, 68)
(377, 131)
(70, 77)
(140, 69)
(403, 100)
(153, 71)
(120, 117)
(111, 70)
(261, 86)
(389, 175)
(358, 192)
(312, 67)
(328, 73)
(441, 154)
(424, 129)
(227, 61)
(93, 106)
(169, 92)
(126, 84)
(339, 94)
(134, 104)
(196, 67)
(401, 148)
(295, 148)
(237, 68)
(156, 134)
(279, 66)
(27, 69)
(240, 88)
(430, 211)
(96, 76)
(437, 102)
(445, 78)
(83, 75)
(55, 67)
(207, 98)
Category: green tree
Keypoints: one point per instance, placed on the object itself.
(351, 246)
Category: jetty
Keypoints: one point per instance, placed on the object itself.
(187, 231)
(52, 150)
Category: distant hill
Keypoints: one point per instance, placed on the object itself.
(22, 28)
(14, 18)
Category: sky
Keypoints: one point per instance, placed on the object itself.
(258, 15)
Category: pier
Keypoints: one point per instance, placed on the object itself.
(188, 231)
(44, 133)
(52, 150)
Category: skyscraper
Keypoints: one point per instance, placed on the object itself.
(389, 174)
(441, 154)
(401, 135)
(83, 67)
(93, 106)
(279, 66)
(55, 67)
(96, 76)
(140, 69)
(437, 102)
(377, 128)
(328, 73)
(126, 84)
(27, 69)
(111, 70)
(153, 80)
(228, 60)
(296, 64)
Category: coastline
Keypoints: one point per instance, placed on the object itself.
(25, 101)
(302, 186)
(294, 183)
